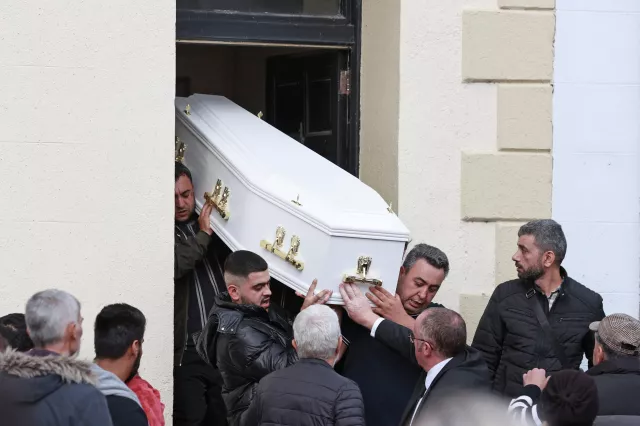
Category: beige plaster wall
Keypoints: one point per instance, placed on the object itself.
(474, 130)
(86, 159)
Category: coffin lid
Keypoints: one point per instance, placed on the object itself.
(279, 169)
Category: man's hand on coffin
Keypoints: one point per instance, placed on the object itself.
(389, 306)
(204, 221)
(311, 299)
(357, 305)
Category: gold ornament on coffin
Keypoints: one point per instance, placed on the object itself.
(180, 149)
(276, 248)
(219, 202)
(362, 270)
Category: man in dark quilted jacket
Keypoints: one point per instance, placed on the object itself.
(310, 392)
(247, 336)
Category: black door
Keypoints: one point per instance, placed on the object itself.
(306, 100)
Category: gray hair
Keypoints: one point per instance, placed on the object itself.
(317, 331)
(445, 330)
(432, 255)
(548, 236)
(48, 313)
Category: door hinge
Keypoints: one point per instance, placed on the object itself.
(345, 82)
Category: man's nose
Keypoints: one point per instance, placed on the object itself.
(267, 291)
(515, 257)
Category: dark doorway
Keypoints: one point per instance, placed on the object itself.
(305, 101)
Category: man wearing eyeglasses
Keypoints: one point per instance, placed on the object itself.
(437, 343)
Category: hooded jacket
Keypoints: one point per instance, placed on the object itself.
(246, 342)
(149, 398)
(124, 406)
(40, 388)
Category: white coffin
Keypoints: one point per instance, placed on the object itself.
(274, 181)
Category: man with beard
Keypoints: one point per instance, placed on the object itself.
(540, 320)
(247, 336)
(119, 333)
(387, 378)
(199, 255)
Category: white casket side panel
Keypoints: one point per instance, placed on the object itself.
(339, 220)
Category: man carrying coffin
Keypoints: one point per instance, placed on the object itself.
(385, 377)
(247, 336)
(198, 279)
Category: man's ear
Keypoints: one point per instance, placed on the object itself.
(295, 345)
(548, 258)
(403, 271)
(234, 292)
(135, 348)
(340, 345)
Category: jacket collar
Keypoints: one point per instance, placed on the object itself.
(625, 365)
(44, 363)
(223, 303)
(314, 361)
(533, 288)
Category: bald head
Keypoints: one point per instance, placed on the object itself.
(444, 329)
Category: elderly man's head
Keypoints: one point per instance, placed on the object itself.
(438, 334)
(54, 322)
(316, 334)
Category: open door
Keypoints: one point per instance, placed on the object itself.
(307, 98)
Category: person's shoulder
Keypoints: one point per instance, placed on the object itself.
(125, 411)
(582, 292)
(507, 289)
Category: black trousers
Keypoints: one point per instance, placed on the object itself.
(197, 387)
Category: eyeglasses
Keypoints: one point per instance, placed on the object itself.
(412, 339)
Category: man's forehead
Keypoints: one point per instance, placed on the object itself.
(183, 184)
(527, 240)
(259, 277)
(426, 272)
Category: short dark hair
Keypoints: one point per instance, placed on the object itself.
(182, 170)
(432, 255)
(241, 263)
(569, 399)
(445, 330)
(13, 328)
(117, 327)
(548, 236)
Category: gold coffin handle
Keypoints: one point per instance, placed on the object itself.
(364, 263)
(276, 248)
(355, 279)
(219, 202)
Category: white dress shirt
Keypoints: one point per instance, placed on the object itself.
(431, 375)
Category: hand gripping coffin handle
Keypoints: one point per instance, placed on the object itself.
(276, 248)
(364, 263)
(218, 201)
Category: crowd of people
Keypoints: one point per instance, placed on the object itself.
(249, 351)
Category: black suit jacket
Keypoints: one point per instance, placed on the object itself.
(467, 371)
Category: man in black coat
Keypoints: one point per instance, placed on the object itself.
(310, 392)
(437, 343)
(47, 386)
(247, 336)
(541, 320)
(386, 392)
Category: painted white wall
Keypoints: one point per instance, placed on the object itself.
(440, 116)
(596, 143)
(86, 161)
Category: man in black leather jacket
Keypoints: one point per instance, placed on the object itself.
(247, 336)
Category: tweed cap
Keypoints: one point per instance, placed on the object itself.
(620, 332)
